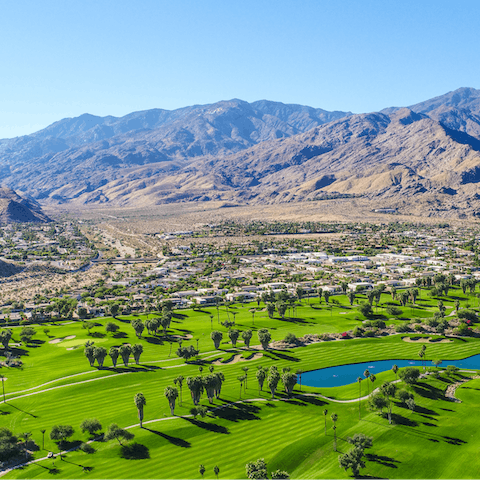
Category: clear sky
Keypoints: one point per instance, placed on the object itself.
(63, 58)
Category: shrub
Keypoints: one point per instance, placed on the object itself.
(370, 333)
(290, 338)
(358, 332)
(393, 310)
(462, 329)
(418, 328)
(467, 315)
(432, 322)
(402, 328)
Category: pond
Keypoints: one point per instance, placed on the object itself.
(346, 374)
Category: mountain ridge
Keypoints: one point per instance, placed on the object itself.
(255, 152)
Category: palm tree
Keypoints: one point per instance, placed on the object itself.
(140, 402)
(245, 369)
(201, 470)
(43, 438)
(179, 380)
(395, 370)
(26, 436)
(359, 380)
(261, 375)
(334, 418)
(457, 306)
(241, 379)
(372, 379)
(325, 412)
(388, 389)
(216, 470)
(351, 297)
(299, 373)
(366, 374)
(171, 393)
(3, 386)
(252, 311)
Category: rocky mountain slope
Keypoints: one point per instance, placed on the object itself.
(263, 152)
(84, 153)
(14, 208)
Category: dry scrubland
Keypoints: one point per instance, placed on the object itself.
(188, 216)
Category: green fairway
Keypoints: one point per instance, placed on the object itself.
(57, 385)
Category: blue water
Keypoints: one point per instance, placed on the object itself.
(346, 374)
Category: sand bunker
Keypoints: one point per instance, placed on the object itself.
(426, 340)
(58, 340)
(238, 358)
(188, 336)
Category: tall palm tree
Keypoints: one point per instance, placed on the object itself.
(359, 380)
(241, 379)
(325, 412)
(140, 402)
(299, 373)
(395, 370)
(3, 386)
(388, 389)
(334, 418)
(179, 380)
(366, 374)
(245, 369)
(372, 379)
(171, 393)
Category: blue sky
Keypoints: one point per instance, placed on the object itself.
(63, 58)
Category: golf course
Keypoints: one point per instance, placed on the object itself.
(57, 384)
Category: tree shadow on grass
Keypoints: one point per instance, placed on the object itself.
(312, 400)
(134, 451)
(69, 444)
(454, 441)
(294, 320)
(133, 368)
(181, 316)
(371, 476)
(428, 391)
(120, 335)
(18, 352)
(236, 413)
(28, 413)
(178, 442)
(97, 334)
(54, 470)
(211, 427)
(382, 460)
(282, 356)
(154, 340)
(401, 420)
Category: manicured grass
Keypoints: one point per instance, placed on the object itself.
(287, 433)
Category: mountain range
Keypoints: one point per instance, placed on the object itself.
(260, 152)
